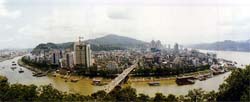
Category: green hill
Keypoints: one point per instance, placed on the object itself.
(108, 42)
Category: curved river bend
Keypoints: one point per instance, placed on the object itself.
(84, 86)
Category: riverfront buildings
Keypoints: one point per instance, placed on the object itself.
(154, 56)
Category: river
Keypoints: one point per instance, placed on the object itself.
(84, 85)
(170, 87)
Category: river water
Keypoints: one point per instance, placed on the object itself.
(84, 85)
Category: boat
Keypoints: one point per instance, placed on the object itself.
(35, 74)
(54, 75)
(65, 77)
(13, 68)
(209, 75)
(185, 80)
(154, 83)
(20, 71)
(96, 82)
(202, 78)
(205, 76)
(74, 80)
(39, 74)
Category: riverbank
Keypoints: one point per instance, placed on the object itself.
(22, 64)
(8, 58)
(154, 78)
(131, 79)
(76, 77)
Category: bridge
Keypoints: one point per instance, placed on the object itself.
(119, 78)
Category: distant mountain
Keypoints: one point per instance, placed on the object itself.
(227, 45)
(248, 41)
(113, 39)
(108, 42)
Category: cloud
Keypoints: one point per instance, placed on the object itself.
(190, 21)
(120, 13)
(4, 12)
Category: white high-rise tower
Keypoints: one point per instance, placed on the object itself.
(82, 55)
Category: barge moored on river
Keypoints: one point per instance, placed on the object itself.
(185, 80)
(154, 83)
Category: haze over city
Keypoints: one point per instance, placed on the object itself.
(27, 23)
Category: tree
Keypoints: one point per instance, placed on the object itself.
(246, 95)
(126, 94)
(236, 86)
(159, 97)
(171, 98)
(18, 92)
(48, 93)
(4, 87)
(210, 96)
(100, 95)
(74, 97)
(143, 98)
(196, 95)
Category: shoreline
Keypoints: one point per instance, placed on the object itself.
(9, 58)
(131, 79)
(22, 64)
(162, 78)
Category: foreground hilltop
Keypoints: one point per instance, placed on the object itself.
(108, 42)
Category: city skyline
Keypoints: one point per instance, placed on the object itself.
(169, 21)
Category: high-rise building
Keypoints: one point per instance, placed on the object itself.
(152, 44)
(70, 60)
(61, 53)
(158, 44)
(176, 48)
(55, 58)
(169, 46)
(82, 55)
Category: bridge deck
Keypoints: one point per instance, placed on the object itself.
(118, 79)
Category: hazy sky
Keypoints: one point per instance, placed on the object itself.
(26, 23)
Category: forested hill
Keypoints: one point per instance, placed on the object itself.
(108, 42)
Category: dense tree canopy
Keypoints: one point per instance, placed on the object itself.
(236, 86)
